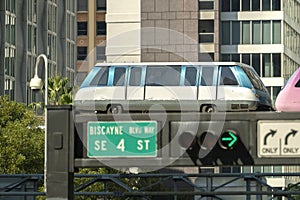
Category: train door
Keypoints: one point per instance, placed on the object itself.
(136, 82)
(207, 90)
(227, 84)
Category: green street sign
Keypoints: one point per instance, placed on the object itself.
(228, 139)
(122, 139)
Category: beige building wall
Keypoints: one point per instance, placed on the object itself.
(123, 21)
(169, 30)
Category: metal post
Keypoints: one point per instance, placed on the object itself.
(60, 153)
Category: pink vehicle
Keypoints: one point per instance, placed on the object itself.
(288, 100)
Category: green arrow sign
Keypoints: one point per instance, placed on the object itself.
(228, 139)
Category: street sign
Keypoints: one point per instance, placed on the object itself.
(278, 138)
(228, 139)
(122, 139)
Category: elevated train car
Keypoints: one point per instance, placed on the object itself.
(288, 99)
(177, 86)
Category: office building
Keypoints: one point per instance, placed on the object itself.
(31, 28)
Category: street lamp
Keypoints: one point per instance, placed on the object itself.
(36, 84)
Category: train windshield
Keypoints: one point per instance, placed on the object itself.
(254, 78)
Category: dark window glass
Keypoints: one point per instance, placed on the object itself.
(82, 5)
(266, 65)
(245, 5)
(101, 53)
(277, 65)
(225, 57)
(206, 38)
(298, 83)
(190, 76)
(235, 32)
(256, 62)
(226, 33)
(227, 77)
(101, 28)
(135, 76)
(255, 5)
(82, 28)
(266, 4)
(207, 76)
(246, 59)
(276, 5)
(101, 77)
(206, 5)
(81, 53)
(206, 26)
(119, 76)
(235, 6)
(101, 4)
(163, 76)
(206, 57)
(235, 57)
(225, 5)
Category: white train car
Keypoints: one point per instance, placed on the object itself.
(176, 86)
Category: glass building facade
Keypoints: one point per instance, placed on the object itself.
(261, 33)
(34, 27)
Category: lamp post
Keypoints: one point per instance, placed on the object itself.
(36, 84)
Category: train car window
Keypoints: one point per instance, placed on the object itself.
(298, 83)
(163, 76)
(227, 77)
(119, 76)
(190, 76)
(207, 76)
(101, 77)
(135, 76)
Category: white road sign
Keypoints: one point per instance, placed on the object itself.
(278, 138)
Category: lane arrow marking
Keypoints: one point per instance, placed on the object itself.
(232, 138)
(271, 133)
(293, 133)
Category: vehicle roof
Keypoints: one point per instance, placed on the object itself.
(171, 63)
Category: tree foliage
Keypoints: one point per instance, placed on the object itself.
(21, 139)
(59, 91)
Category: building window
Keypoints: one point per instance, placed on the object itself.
(82, 5)
(206, 57)
(82, 28)
(101, 4)
(266, 5)
(226, 5)
(206, 5)
(256, 63)
(255, 5)
(266, 32)
(266, 68)
(245, 5)
(81, 53)
(276, 60)
(276, 32)
(256, 32)
(101, 28)
(235, 5)
(206, 31)
(226, 33)
(246, 32)
(235, 32)
(100, 51)
(276, 5)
